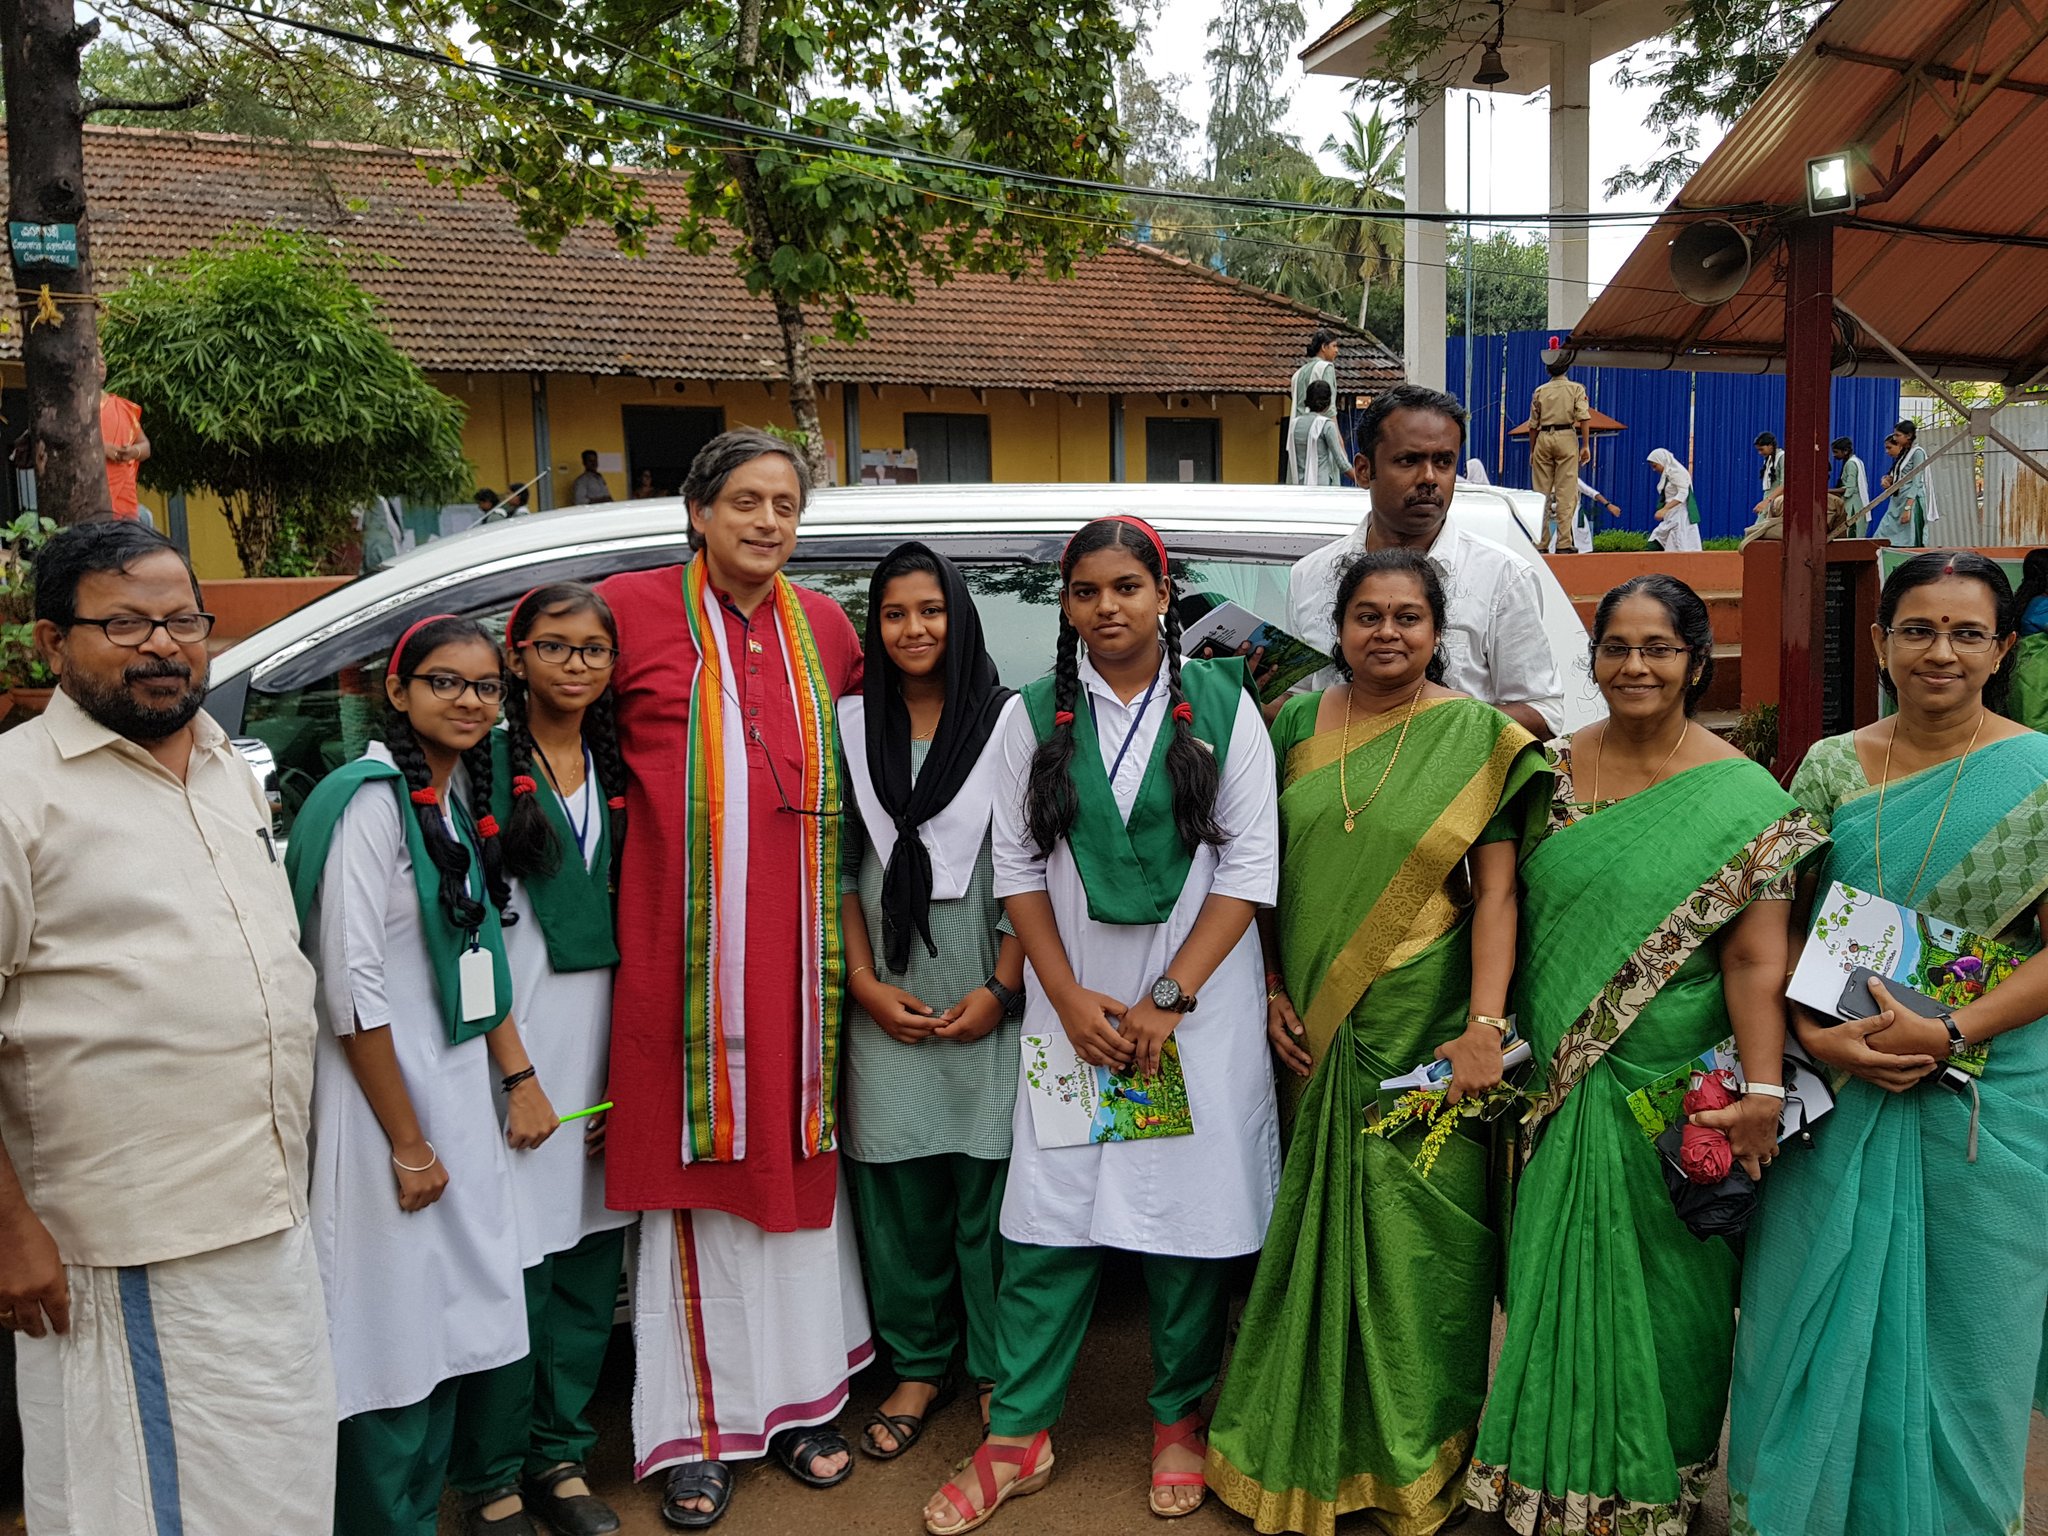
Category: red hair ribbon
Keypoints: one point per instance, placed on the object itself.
(1062, 717)
(616, 803)
(512, 618)
(522, 784)
(425, 797)
(1184, 712)
(1158, 544)
(487, 826)
(398, 650)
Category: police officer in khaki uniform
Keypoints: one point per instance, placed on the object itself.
(1558, 410)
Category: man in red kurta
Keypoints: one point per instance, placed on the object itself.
(749, 1311)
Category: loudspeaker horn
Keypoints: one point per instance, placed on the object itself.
(1710, 261)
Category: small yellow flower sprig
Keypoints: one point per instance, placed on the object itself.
(1425, 1106)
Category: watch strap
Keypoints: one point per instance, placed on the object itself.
(1957, 1045)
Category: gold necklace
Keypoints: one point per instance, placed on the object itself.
(1885, 782)
(1351, 812)
(1600, 758)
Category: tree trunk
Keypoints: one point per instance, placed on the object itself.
(789, 315)
(40, 41)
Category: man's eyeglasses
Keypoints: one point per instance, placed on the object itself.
(1920, 637)
(446, 685)
(133, 629)
(1656, 651)
(556, 653)
(754, 734)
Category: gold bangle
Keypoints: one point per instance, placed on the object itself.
(856, 971)
(1491, 1022)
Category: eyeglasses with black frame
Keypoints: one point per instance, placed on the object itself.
(134, 629)
(1968, 640)
(782, 795)
(556, 653)
(446, 685)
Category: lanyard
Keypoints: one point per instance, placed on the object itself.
(582, 828)
(461, 822)
(1131, 734)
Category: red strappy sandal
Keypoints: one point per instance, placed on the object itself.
(1193, 1433)
(1032, 1475)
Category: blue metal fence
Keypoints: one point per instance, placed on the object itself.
(1710, 420)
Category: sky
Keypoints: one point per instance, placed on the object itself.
(1509, 136)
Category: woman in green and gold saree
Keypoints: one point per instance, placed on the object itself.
(1361, 1361)
(1895, 1293)
(1654, 921)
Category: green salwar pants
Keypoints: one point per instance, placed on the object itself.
(906, 1212)
(534, 1414)
(389, 1466)
(1047, 1296)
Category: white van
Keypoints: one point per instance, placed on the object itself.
(302, 695)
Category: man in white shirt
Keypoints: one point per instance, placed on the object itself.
(156, 1065)
(1410, 443)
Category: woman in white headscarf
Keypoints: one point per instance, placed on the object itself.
(1678, 510)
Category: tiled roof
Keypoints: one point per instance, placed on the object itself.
(463, 291)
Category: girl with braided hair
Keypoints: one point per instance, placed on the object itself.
(1135, 837)
(557, 787)
(398, 873)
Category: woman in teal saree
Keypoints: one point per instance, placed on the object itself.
(1654, 924)
(1895, 1296)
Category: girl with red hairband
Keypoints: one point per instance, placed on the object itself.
(401, 892)
(1135, 837)
(523, 1431)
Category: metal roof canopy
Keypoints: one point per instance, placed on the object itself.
(1941, 272)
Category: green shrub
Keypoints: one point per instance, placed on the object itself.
(1620, 542)
(1728, 543)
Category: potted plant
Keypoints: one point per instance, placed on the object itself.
(24, 676)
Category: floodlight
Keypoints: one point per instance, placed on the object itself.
(1827, 185)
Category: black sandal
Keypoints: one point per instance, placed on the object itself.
(796, 1449)
(574, 1514)
(984, 1394)
(908, 1428)
(696, 1480)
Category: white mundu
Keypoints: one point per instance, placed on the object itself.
(413, 1299)
(1208, 1195)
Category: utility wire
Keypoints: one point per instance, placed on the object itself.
(1041, 180)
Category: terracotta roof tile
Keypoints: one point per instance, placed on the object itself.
(463, 291)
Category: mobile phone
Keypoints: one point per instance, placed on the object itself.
(1858, 1002)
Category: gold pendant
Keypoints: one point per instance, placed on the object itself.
(1350, 822)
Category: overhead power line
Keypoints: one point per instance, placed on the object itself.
(731, 127)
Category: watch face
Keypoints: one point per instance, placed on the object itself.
(1166, 993)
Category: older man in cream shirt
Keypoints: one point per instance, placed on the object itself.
(156, 1060)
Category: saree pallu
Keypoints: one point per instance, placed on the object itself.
(1606, 1407)
(1361, 1360)
(1895, 1295)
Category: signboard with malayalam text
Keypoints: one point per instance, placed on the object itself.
(43, 245)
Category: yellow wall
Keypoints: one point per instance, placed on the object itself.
(1046, 437)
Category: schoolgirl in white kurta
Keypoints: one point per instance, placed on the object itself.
(413, 1298)
(1208, 1195)
(1126, 804)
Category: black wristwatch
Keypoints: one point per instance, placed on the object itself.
(1012, 1001)
(1168, 997)
(1957, 1045)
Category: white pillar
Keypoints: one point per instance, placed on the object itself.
(1571, 169)
(1422, 274)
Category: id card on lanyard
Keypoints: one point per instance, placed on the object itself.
(476, 976)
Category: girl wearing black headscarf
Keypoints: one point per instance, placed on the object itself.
(935, 983)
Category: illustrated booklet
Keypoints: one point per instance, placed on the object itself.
(1074, 1104)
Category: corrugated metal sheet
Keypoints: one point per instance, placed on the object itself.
(1710, 420)
(1961, 304)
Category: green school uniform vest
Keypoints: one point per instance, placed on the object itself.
(1133, 870)
(305, 860)
(574, 904)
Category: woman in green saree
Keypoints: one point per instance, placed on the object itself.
(1361, 1361)
(1895, 1294)
(1654, 918)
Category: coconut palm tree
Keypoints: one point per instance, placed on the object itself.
(1369, 151)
